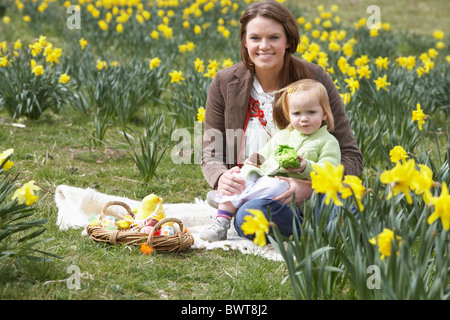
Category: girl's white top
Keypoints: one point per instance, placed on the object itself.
(257, 134)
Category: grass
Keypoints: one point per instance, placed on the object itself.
(64, 157)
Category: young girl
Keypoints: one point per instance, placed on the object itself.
(305, 107)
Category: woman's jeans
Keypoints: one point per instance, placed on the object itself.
(281, 215)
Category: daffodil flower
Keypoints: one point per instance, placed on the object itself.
(352, 185)
(64, 78)
(400, 178)
(327, 179)
(154, 63)
(381, 83)
(256, 224)
(419, 116)
(25, 194)
(176, 76)
(398, 153)
(200, 115)
(384, 242)
(3, 156)
(441, 206)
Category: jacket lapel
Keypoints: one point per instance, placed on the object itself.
(238, 95)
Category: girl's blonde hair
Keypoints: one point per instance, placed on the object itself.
(315, 88)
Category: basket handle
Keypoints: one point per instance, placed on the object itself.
(163, 221)
(116, 203)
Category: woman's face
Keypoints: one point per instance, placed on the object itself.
(266, 43)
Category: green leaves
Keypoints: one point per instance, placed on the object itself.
(19, 233)
(152, 144)
(331, 251)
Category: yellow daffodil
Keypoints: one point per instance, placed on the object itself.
(423, 182)
(190, 46)
(154, 63)
(364, 72)
(199, 66)
(381, 83)
(36, 48)
(103, 25)
(197, 29)
(384, 242)
(53, 58)
(256, 224)
(3, 156)
(362, 61)
(398, 153)
(227, 63)
(441, 206)
(381, 62)
(18, 44)
(176, 76)
(327, 179)
(419, 116)
(154, 34)
(200, 115)
(64, 78)
(346, 98)
(432, 53)
(182, 48)
(438, 34)
(211, 73)
(352, 185)
(400, 178)
(4, 61)
(101, 65)
(374, 32)
(38, 70)
(25, 194)
(352, 84)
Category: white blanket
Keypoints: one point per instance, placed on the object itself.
(76, 205)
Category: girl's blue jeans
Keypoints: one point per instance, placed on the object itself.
(281, 215)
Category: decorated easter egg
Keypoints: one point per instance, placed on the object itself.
(167, 231)
(110, 223)
(146, 229)
(126, 222)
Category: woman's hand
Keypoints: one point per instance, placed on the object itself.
(229, 184)
(301, 188)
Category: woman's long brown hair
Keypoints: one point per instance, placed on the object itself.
(293, 69)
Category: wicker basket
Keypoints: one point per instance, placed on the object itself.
(178, 242)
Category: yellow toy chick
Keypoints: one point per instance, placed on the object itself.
(151, 208)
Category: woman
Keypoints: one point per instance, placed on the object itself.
(239, 118)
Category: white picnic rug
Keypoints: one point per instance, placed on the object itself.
(76, 205)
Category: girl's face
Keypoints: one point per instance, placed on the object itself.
(305, 112)
(266, 43)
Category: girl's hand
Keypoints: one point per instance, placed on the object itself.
(299, 169)
(229, 184)
(301, 188)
